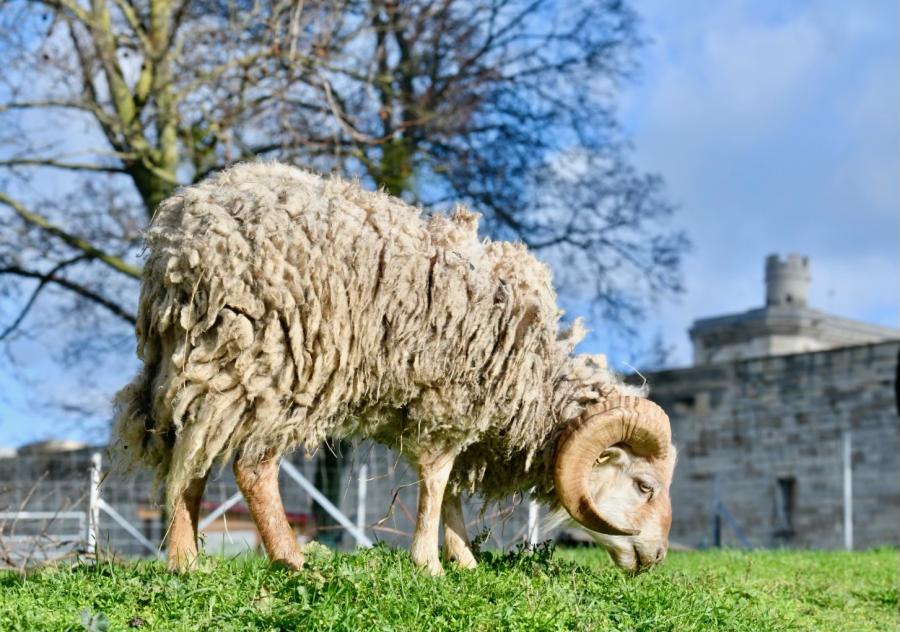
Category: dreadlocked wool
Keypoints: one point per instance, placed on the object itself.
(280, 308)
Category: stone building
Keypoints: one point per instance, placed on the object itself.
(761, 418)
(784, 325)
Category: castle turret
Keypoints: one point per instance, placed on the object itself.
(787, 282)
(785, 325)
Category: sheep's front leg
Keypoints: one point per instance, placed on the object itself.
(182, 536)
(456, 542)
(434, 471)
(258, 483)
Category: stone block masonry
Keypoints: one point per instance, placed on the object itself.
(771, 431)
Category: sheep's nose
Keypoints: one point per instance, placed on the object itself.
(645, 559)
(660, 554)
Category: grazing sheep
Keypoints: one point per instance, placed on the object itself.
(280, 308)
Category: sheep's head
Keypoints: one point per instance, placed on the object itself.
(612, 473)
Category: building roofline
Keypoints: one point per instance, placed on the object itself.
(792, 314)
(724, 365)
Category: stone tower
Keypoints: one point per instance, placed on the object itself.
(785, 325)
(787, 282)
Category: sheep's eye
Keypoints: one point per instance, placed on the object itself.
(645, 488)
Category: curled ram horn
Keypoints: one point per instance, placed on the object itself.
(634, 421)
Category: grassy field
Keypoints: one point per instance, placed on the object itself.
(380, 590)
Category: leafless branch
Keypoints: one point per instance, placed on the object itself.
(44, 279)
(72, 286)
(116, 263)
(56, 164)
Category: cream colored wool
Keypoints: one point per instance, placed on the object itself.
(279, 308)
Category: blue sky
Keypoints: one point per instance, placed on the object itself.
(775, 124)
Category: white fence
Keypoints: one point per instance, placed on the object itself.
(66, 504)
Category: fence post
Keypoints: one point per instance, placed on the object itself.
(716, 513)
(533, 534)
(361, 490)
(848, 490)
(94, 504)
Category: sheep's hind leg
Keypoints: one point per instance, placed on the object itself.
(182, 536)
(456, 542)
(258, 483)
(434, 471)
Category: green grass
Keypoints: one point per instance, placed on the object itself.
(380, 590)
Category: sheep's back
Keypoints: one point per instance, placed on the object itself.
(279, 308)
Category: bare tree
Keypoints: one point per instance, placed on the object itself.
(106, 106)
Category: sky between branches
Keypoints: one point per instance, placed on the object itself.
(775, 125)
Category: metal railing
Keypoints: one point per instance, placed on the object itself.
(371, 496)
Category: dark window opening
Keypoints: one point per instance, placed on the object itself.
(784, 505)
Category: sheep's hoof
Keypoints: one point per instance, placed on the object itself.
(292, 563)
(467, 563)
(430, 567)
(464, 559)
(181, 564)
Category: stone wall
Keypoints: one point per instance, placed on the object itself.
(770, 430)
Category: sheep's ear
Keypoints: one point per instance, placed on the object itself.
(614, 456)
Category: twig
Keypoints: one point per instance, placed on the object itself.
(46, 278)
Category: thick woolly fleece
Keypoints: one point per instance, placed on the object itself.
(280, 308)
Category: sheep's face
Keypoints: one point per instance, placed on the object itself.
(634, 491)
(612, 472)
